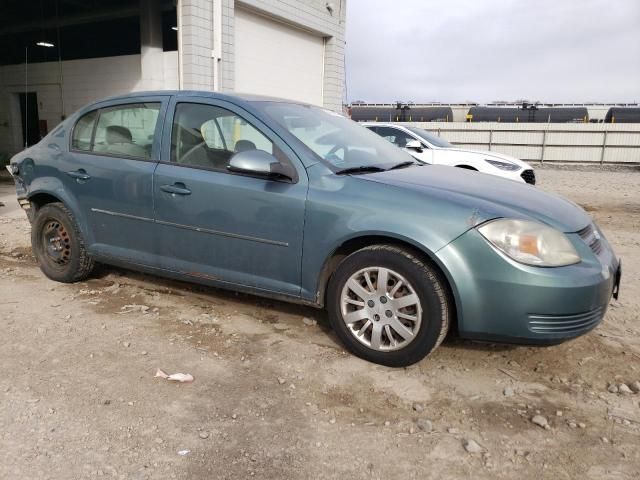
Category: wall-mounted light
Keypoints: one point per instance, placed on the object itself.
(174, 28)
(45, 44)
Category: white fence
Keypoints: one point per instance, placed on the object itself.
(550, 142)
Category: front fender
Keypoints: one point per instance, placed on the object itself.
(341, 209)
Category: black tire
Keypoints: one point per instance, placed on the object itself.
(58, 245)
(428, 284)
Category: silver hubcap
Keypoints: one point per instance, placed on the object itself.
(381, 309)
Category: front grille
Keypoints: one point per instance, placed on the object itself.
(529, 176)
(565, 324)
(591, 237)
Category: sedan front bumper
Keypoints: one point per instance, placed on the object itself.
(499, 299)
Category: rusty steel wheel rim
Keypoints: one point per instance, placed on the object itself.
(56, 243)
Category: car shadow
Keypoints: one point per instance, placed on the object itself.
(216, 295)
(454, 341)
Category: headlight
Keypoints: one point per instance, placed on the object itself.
(530, 243)
(503, 165)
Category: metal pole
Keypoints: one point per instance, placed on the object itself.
(604, 145)
(544, 144)
(26, 96)
(62, 116)
(180, 49)
(490, 138)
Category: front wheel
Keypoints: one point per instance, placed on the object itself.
(388, 306)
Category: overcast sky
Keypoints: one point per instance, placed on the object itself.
(484, 50)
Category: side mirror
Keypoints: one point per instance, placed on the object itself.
(414, 145)
(260, 163)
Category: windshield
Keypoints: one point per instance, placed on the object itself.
(431, 138)
(333, 138)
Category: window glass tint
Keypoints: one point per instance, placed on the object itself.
(212, 135)
(333, 138)
(208, 136)
(431, 138)
(82, 132)
(127, 130)
(394, 135)
(316, 137)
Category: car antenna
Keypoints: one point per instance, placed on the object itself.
(26, 96)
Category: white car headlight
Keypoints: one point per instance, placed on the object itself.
(511, 167)
(531, 243)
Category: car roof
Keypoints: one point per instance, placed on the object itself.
(382, 124)
(243, 97)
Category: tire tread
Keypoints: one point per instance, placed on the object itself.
(85, 261)
(438, 285)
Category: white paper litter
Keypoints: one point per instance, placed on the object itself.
(174, 377)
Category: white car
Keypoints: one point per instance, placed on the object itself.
(429, 148)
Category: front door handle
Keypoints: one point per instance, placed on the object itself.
(176, 189)
(80, 174)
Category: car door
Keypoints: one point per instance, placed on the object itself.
(400, 138)
(219, 225)
(109, 170)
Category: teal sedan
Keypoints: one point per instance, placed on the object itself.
(297, 203)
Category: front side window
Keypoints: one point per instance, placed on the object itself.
(208, 136)
(126, 130)
(82, 132)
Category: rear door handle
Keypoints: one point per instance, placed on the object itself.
(80, 174)
(176, 189)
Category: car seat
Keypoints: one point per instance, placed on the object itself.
(119, 141)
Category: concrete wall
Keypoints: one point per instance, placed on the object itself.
(198, 40)
(84, 81)
(568, 142)
(313, 15)
(207, 59)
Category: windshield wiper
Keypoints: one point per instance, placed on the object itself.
(360, 169)
(404, 164)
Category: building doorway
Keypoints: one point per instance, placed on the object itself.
(29, 118)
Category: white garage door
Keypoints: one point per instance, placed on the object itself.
(275, 59)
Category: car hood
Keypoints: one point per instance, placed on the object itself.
(487, 196)
(490, 155)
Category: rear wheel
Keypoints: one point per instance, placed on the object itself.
(58, 245)
(388, 306)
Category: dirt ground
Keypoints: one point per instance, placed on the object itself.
(276, 398)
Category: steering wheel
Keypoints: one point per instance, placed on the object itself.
(185, 158)
(331, 154)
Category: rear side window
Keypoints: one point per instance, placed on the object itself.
(83, 131)
(121, 131)
(126, 130)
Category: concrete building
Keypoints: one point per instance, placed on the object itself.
(58, 55)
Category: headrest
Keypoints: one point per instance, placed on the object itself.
(118, 134)
(244, 145)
